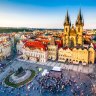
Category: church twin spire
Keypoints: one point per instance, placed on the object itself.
(79, 20)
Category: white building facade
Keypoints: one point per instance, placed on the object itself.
(5, 49)
(35, 55)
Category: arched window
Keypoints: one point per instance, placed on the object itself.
(79, 29)
(66, 29)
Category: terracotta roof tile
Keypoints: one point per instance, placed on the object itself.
(35, 44)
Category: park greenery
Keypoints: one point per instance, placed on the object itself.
(7, 82)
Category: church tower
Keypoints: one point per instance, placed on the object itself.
(67, 25)
(79, 28)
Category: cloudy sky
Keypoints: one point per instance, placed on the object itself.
(45, 13)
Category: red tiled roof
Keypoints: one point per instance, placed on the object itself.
(43, 40)
(24, 41)
(65, 48)
(59, 43)
(35, 44)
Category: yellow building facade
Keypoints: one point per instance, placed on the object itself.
(64, 55)
(77, 56)
(91, 57)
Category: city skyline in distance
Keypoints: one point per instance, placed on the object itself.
(43, 14)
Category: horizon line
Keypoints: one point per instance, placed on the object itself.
(41, 28)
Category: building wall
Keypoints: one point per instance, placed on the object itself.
(52, 52)
(77, 56)
(64, 55)
(5, 50)
(80, 56)
(35, 55)
(91, 55)
(19, 47)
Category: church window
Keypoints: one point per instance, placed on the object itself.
(66, 29)
(79, 29)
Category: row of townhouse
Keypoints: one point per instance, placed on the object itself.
(36, 51)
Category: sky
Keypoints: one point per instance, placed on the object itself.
(46, 13)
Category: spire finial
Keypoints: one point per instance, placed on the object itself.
(79, 15)
(67, 14)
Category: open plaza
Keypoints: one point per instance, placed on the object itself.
(78, 79)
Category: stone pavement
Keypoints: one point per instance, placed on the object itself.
(78, 68)
(16, 63)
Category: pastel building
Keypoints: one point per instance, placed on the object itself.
(19, 46)
(64, 55)
(77, 55)
(5, 49)
(34, 51)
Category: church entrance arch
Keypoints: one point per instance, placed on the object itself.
(80, 62)
(72, 42)
(90, 62)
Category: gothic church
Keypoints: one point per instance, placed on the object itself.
(73, 36)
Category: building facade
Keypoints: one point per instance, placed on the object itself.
(52, 50)
(77, 56)
(19, 47)
(35, 55)
(34, 51)
(5, 49)
(64, 55)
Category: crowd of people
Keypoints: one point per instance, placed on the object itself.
(77, 83)
(70, 84)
